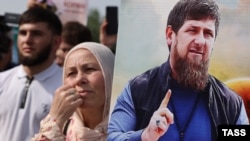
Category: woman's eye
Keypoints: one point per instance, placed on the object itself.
(90, 69)
(70, 74)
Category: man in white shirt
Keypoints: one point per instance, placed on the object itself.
(26, 91)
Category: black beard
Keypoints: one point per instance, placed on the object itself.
(41, 57)
(190, 74)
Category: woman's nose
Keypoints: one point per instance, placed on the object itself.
(81, 78)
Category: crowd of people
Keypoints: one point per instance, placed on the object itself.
(44, 90)
(73, 33)
(61, 88)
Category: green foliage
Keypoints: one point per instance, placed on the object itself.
(94, 23)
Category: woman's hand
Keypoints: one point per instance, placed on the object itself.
(66, 101)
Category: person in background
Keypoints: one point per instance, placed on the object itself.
(5, 47)
(73, 33)
(46, 4)
(80, 110)
(108, 40)
(109, 28)
(32, 3)
(27, 90)
(179, 100)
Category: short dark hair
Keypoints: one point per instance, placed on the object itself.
(39, 14)
(193, 10)
(74, 33)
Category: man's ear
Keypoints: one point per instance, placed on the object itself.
(169, 38)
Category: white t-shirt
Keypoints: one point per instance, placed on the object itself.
(22, 124)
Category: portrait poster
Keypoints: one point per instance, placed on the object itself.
(141, 43)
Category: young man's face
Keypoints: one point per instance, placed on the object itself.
(35, 43)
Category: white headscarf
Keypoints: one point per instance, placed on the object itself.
(106, 59)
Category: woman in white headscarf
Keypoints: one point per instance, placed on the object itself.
(80, 108)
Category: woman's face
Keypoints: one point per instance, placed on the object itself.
(83, 72)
